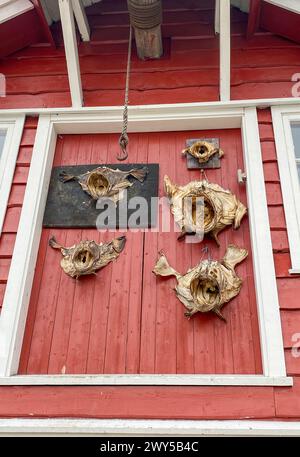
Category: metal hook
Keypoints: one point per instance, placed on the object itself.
(123, 142)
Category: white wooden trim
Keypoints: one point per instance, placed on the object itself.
(70, 43)
(144, 427)
(14, 130)
(81, 19)
(170, 117)
(282, 116)
(19, 283)
(264, 270)
(145, 380)
(13, 8)
(263, 103)
(225, 50)
(217, 16)
(290, 5)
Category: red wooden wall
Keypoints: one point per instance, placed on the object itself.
(126, 320)
(262, 67)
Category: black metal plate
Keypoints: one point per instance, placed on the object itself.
(193, 163)
(69, 206)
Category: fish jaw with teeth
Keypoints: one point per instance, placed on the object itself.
(87, 257)
(221, 208)
(209, 285)
(106, 182)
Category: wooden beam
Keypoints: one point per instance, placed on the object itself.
(253, 18)
(148, 40)
(70, 42)
(81, 19)
(225, 50)
(217, 16)
(43, 22)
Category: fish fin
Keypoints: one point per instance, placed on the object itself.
(219, 152)
(169, 187)
(233, 256)
(162, 268)
(185, 151)
(214, 235)
(219, 314)
(139, 174)
(181, 236)
(64, 177)
(53, 243)
(239, 214)
(119, 243)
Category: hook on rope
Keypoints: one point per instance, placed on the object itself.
(123, 142)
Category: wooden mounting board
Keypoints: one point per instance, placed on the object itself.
(193, 163)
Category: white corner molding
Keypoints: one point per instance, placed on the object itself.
(150, 427)
(81, 19)
(19, 283)
(282, 117)
(154, 118)
(264, 271)
(225, 49)
(71, 50)
(217, 16)
(13, 126)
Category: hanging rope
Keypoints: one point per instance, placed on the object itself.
(146, 15)
(123, 140)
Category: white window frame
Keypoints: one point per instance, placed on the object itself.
(176, 117)
(9, 9)
(14, 129)
(282, 117)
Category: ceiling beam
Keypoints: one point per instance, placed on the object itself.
(71, 50)
(253, 17)
(225, 60)
(81, 19)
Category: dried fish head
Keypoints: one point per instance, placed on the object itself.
(87, 257)
(209, 285)
(203, 151)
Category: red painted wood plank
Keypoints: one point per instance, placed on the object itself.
(264, 116)
(24, 156)
(263, 90)
(40, 101)
(268, 151)
(21, 175)
(288, 289)
(165, 360)
(32, 310)
(144, 402)
(2, 292)
(280, 241)
(11, 220)
(16, 195)
(4, 269)
(282, 264)
(271, 172)
(290, 326)
(150, 284)
(276, 217)
(7, 242)
(292, 362)
(274, 196)
(28, 137)
(287, 400)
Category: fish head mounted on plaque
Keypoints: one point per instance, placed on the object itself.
(209, 285)
(203, 151)
(106, 182)
(87, 257)
(203, 208)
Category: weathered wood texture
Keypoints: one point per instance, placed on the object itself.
(37, 77)
(126, 320)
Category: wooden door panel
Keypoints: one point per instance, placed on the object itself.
(126, 320)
